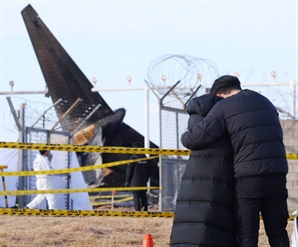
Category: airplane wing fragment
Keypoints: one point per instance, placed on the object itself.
(63, 77)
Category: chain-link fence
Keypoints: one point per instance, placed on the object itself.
(59, 160)
(173, 123)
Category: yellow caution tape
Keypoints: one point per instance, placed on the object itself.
(65, 191)
(292, 156)
(65, 213)
(78, 169)
(42, 212)
(95, 204)
(108, 196)
(291, 217)
(101, 149)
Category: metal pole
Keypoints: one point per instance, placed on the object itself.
(85, 120)
(192, 95)
(23, 92)
(68, 177)
(4, 185)
(21, 185)
(13, 112)
(165, 95)
(160, 157)
(146, 117)
(293, 96)
(58, 101)
(70, 109)
(135, 88)
(160, 145)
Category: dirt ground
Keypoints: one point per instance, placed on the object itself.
(23, 231)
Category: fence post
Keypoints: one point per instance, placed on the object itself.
(3, 183)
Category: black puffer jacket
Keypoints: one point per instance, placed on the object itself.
(137, 173)
(204, 209)
(252, 123)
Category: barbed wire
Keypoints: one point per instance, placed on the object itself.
(165, 71)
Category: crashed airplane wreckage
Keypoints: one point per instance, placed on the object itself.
(105, 127)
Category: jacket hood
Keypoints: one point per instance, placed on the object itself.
(202, 105)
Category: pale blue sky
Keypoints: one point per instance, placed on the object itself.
(113, 39)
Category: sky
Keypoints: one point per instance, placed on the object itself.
(111, 40)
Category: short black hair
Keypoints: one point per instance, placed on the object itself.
(225, 84)
(42, 152)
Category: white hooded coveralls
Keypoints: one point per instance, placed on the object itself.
(43, 182)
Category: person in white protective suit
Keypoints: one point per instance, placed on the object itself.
(43, 182)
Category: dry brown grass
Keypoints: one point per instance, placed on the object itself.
(23, 231)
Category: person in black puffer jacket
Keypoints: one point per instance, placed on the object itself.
(204, 213)
(137, 175)
(260, 165)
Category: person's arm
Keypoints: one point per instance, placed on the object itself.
(206, 131)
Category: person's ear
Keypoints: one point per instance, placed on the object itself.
(220, 95)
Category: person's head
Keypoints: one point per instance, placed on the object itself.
(44, 152)
(225, 86)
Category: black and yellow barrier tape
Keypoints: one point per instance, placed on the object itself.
(75, 213)
(291, 217)
(87, 168)
(292, 156)
(101, 149)
(96, 204)
(78, 169)
(108, 196)
(65, 191)
(42, 212)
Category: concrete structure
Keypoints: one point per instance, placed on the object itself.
(290, 129)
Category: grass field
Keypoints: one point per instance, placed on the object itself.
(34, 231)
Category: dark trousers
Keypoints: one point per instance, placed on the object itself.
(140, 201)
(275, 217)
